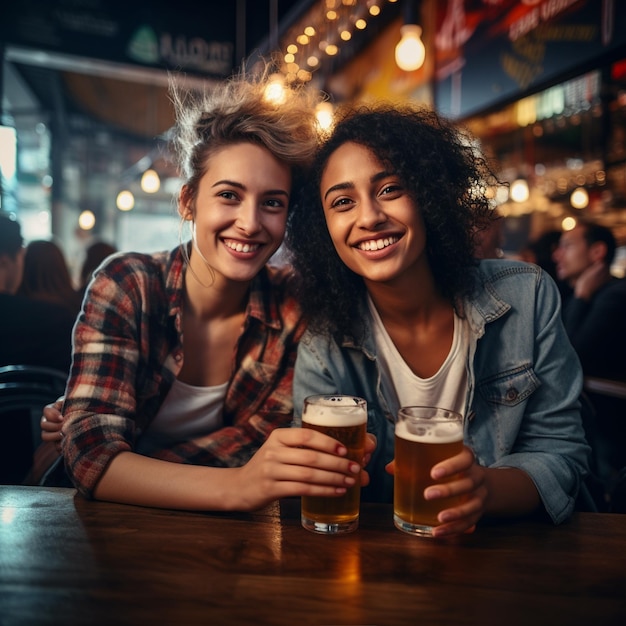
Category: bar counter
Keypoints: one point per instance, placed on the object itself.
(65, 560)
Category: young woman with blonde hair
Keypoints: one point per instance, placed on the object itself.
(183, 363)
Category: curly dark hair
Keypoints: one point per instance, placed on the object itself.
(444, 173)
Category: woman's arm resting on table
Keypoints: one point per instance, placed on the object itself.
(291, 462)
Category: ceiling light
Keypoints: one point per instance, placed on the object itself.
(324, 113)
(125, 200)
(410, 51)
(568, 223)
(519, 190)
(86, 220)
(579, 198)
(275, 89)
(150, 181)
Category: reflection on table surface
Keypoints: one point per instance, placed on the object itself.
(65, 560)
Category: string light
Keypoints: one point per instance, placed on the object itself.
(579, 198)
(86, 220)
(275, 89)
(125, 200)
(324, 114)
(150, 181)
(568, 223)
(337, 23)
(519, 190)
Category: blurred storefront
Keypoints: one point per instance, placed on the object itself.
(542, 84)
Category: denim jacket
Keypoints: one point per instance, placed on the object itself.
(524, 377)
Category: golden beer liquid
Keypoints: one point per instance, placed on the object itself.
(413, 461)
(338, 509)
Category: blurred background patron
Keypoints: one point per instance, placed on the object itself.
(94, 255)
(32, 331)
(594, 316)
(540, 251)
(47, 278)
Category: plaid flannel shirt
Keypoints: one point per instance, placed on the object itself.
(128, 349)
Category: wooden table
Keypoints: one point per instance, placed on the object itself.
(64, 560)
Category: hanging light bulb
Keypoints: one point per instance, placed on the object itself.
(568, 223)
(86, 220)
(410, 51)
(324, 115)
(125, 200)
(275, 89)
(579, 198)
(519, 190)
(150, 181)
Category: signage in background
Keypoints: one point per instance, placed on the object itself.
(192, 37)
(492, 51)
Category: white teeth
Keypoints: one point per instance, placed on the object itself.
(377, 244)
(241, 247)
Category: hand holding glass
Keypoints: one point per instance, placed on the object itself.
(424, 436)
(343, 418)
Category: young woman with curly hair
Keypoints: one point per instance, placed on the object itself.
(401, 313)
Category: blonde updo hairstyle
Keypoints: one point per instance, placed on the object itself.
(238, 111)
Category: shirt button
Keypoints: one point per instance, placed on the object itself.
(511, 394)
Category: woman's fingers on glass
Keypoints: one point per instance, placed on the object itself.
(370, 446)
(464, 485)
(304, 476)
(365, 478)
(460, 519)
(321, 477)
(462, 527)
(309, 438)
(316, 490)
(459, 463)
(307, 460)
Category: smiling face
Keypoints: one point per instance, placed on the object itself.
(375, 226)
(239, 213)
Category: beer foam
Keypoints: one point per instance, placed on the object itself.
(440, 432)
(335, 411)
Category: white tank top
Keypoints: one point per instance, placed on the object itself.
(186, 412)
(447, 388)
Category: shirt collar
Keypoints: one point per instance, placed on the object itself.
(263, 301)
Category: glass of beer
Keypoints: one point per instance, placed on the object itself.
(424, 436)
(343, 418)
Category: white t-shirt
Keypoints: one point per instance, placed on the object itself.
(186, 412)
(447, 388)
